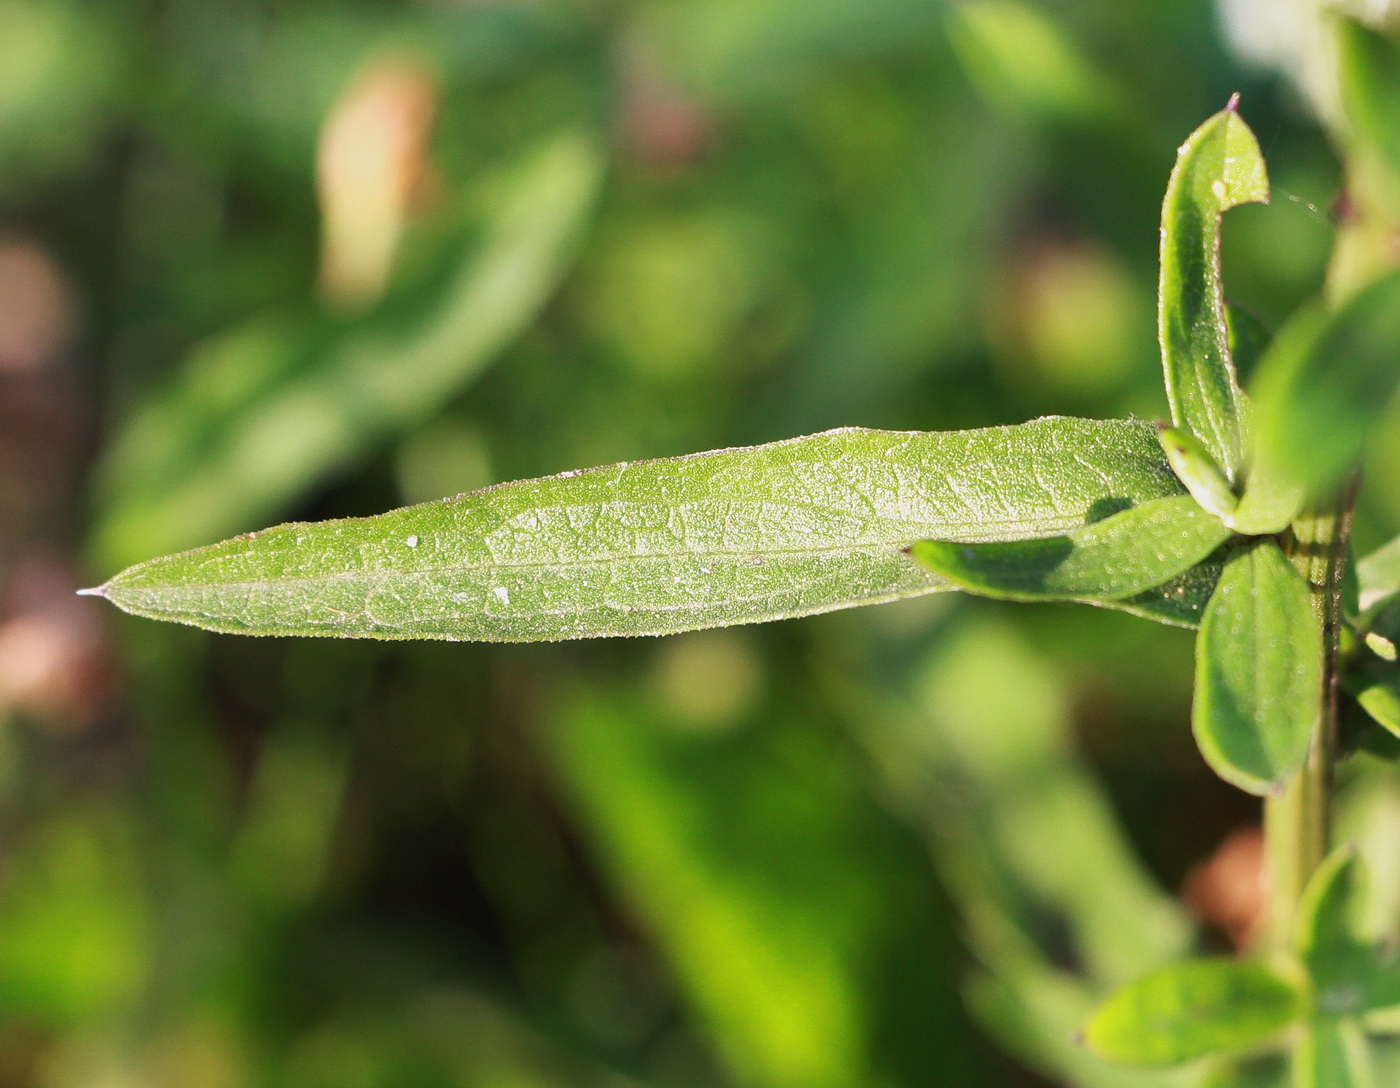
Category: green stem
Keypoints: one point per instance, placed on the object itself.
(1297, 821)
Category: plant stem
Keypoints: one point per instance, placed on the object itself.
(1297, 821)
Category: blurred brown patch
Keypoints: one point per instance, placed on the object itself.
(1227, 889)
(371, 169)
(36, 309)
(54, 664)
(659, 127)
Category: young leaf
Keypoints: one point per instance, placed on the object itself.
(1333, 1054)
(1190, 1010)
(1369, 78)
(271, 408)
(730, 536)
(1321, 387)
(1217, 168)
(1197, 470)
(1328, 939)
(1379, 574)
(1258, 670)
(1107, 560)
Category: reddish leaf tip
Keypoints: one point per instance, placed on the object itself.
(1234, 104)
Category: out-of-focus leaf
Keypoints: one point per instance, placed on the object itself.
(1379, 574)
(250, 427)
(1328, 941)
(60, 75)
(1197, 470)
(1021, 61)
(1249, 339)
(738, 49)
(1107, 560)
(982, 761)
(1380, 698)
(1351, 973)
(1369, 78)
(1266, 1071)
(1191, 1010)
(1332, 1054)
(1217, 168)
(1258, 671)
(747, 860)
(1322, 386)
(730, 536)
(75, 922)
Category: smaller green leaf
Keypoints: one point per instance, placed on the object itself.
(1217, 168)
(1333, 1054)
(1369, 79)
(1118, 557)
(1381, 700)
(1190, 1010)
(1379, 574)
(1328, 939)
(1196, 468)
(1324, 383)
(1258, 671)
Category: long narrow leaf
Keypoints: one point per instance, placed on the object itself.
(1258, 671)
(730, 536)
(1106, 560)
(1218, 168)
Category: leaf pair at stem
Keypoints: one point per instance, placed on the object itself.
(1342, 976)
(1181, 527)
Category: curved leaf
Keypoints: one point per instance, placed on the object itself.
(1323, 384)
(1217, 168)
(1258, 671)
(730, 536)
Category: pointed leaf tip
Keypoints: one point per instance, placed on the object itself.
(93, 591)
(1234, 104)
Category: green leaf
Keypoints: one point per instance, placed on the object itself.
(1380, 698)
(1322, 386)
(1197, 470)
(1333, 1054)
(1190, 1010)
(1255, 1071)
(1351, 974)
(1107, 560)
(1379, 574)
(730, 536)
(1258, 671)
(1369, 79)
(1217, 168)
(266, 411)
(1328, 938)
(1024, 63)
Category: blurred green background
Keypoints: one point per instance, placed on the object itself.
(275, 259)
